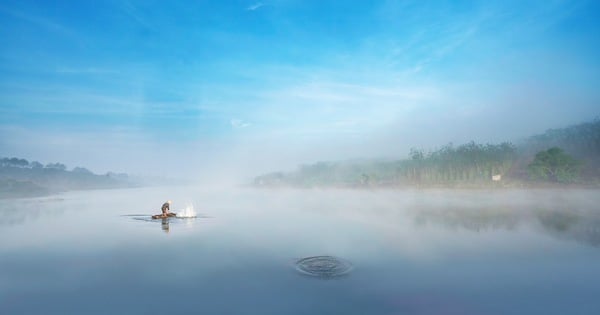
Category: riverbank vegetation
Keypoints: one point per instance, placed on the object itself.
(557, 157)
(21, 178)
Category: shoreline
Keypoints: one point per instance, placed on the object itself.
(504, 186)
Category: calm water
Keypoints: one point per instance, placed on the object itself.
(412, 252)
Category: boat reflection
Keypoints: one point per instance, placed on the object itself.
(164, 224)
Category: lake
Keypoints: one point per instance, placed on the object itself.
(407, 252)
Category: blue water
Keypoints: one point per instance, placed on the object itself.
(412, 252)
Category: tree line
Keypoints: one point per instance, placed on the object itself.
(558, 155)
(23, 163)
(21, 178)
(466, 163)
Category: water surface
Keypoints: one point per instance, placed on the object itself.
(411, 252)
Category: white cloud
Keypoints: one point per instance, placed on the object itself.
(255, 6)
(238, 123)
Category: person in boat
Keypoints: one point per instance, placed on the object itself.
(166, 207)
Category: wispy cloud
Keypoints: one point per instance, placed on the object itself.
(238, 123)
(448, 45)
(134, 12)
(39, 21)
(255, 6)
(329, 108)
(89, 70)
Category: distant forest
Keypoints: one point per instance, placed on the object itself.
(21, 178)
(559, 156)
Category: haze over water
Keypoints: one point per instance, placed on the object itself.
(412, 252)
(380, 96)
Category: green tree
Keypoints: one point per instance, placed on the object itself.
(554, 165)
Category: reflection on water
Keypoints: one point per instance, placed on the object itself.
(583, 227)
(20, 211)
(165, 225)
(577, 225)
(478, 220)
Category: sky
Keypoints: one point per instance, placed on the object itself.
(199, 88)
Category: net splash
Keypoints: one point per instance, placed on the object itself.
(187, 212)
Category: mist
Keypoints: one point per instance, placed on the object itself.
(468, 249)
(299, 157)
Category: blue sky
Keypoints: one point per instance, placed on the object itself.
(287, 80)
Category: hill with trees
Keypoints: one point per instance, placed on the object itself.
(21, 178)
(581, 141)
(559, 156)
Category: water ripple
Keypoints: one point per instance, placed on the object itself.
(323, 266)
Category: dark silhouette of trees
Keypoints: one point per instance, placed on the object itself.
(14, 162)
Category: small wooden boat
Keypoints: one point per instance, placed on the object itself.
(162, 216)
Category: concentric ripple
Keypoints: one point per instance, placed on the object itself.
(323, 266)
